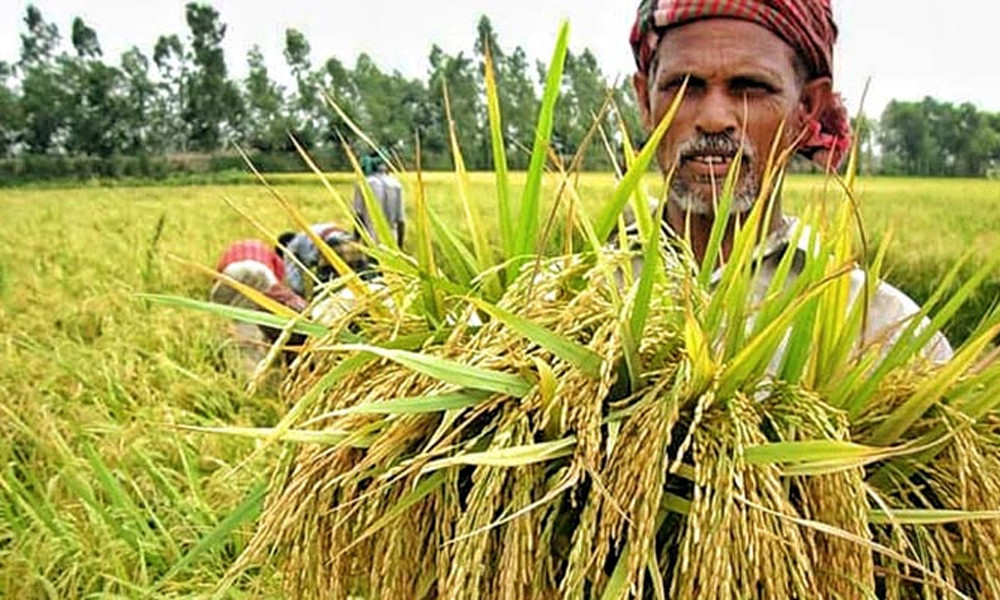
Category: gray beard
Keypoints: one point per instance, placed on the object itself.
(692, 202)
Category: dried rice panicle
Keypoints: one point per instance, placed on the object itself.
(650, 490)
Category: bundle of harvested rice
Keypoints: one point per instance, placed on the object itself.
(528, 427)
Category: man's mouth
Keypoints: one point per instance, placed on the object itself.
(710, 166)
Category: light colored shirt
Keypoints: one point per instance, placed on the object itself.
(389, 194)
(890, 310)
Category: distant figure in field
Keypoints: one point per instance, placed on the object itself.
(256, 265)
(308, 257)
(388, 193)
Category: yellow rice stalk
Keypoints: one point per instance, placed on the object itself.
(598, 432)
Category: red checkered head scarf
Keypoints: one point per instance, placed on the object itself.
(806, 25)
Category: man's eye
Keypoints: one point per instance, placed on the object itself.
(675, 84)
(752, 86)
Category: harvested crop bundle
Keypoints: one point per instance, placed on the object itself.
(625, 421)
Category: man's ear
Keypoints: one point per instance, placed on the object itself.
(641, 84)
(816, 96)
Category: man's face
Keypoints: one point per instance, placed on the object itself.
(743, 84)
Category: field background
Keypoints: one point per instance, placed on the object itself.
(100, 494)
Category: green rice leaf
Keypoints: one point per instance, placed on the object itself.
(516, 456)
(760, 349)
(528, 223)
(929, 516)
(246, 512)
(455, 252)
(480, 244)
(652, 271)
(425, 247)
(723, 211)
(608, 219)
(806, 451)
(447, 371)
(418, 405)
(911, 342)
(930, 392)
(576, 354)
(244, 315)
(618, 584)
(507, 238)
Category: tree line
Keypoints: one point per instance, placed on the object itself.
(56, 101)
(71, 102)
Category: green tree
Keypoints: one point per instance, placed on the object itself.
(458, 75)
(906, 138)
(11, 118)
(583, 92)
(139, 105)
(521, 104)
(977, 143)
(265, 101)
(94, 112)
(518, 96)
(42, 94)
(339, 83)
(212, 105)
(308, 107)
(39, 44)
(84, 40)
(167, 124)
(393, 107)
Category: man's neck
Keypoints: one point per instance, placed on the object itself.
(697, 228)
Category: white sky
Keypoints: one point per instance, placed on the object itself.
(910, 48)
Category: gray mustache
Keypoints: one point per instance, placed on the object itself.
(721, 144)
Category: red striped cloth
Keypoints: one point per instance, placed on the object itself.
(256, 251)
(259, 252)
(805, 25)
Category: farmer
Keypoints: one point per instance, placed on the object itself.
(754, 69)
(308, 257)
(256, 265)
(388, 193)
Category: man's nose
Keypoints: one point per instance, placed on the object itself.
(718, 113)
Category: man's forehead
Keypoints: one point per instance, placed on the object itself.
(730, 44)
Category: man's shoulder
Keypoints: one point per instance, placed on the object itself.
(890, 312)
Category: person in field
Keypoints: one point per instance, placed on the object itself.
(309, 258)
(755, 69)
(256, 265)
(388, 193)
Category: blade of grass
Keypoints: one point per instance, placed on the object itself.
(507, 237)
(415, 406)
(583, 358)
(447, 371)
(246, 512)
(244, 315)
(608, 219)
(516, 456)
(929, 517)
(528, 222)
(480, 244)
